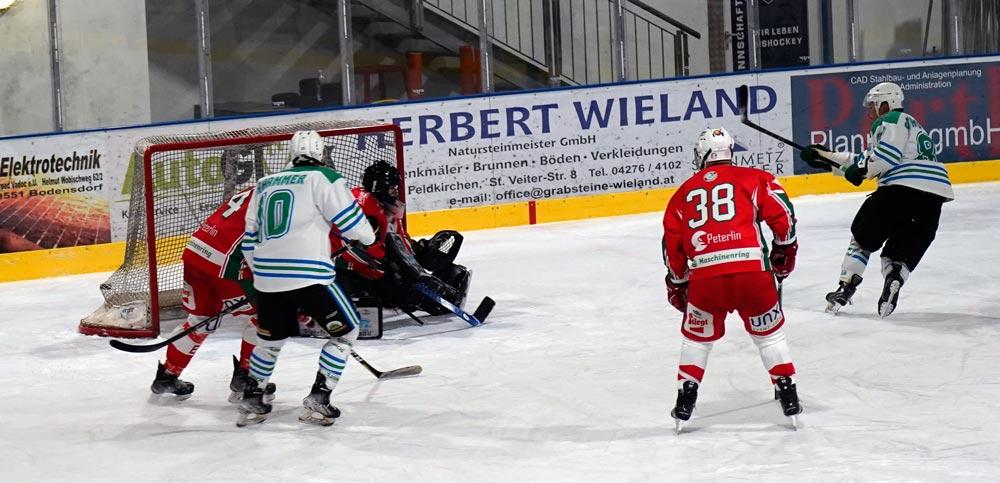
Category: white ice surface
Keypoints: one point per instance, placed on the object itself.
(571, 379)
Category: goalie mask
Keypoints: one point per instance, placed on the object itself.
(713, 145)
(382, 181)
(886, 92)
(306, 148)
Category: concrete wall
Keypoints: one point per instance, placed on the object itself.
(25, 73)
(105, 73)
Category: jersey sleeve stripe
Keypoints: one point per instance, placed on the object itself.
(352, 224)
(883, 157)
(347, 212)
(887, 153)
(894, 149)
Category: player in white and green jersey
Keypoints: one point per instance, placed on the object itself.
(287, 245)
(903, 213)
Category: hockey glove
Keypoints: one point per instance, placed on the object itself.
(811, 155)
(855, 174)
(783, 258)
(677, 294)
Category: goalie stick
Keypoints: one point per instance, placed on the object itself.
(475, 319)
(742, 101)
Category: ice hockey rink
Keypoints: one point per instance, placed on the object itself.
(571, 379)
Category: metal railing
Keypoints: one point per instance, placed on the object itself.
(575, 40)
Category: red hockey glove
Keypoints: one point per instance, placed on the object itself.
(677, 294)
(783, 258)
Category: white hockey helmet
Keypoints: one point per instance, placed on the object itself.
(887, 92)
(306, 148)
(714, 144)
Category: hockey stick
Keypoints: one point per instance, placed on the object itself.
(137, 348)
(401, 372)
(475, 319)
(742, 101)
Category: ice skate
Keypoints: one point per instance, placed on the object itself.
(787, 396)
(253, 409)
(890, 291)
(317, 407)
(686, 397)
(167, 383)
(239, 381)
(842, 296)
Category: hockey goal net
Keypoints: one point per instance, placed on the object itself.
(182, 179)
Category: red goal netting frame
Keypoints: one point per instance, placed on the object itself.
(136, 295)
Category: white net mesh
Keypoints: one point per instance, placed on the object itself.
(191, 176)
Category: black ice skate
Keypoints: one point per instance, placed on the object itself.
(239, 382)
(686, 397)
(788, 398)
(890, 291)
(167, 383)
(317, 404)
(842, 296)
(253, 409)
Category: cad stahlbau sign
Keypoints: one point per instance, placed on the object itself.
(956, 103)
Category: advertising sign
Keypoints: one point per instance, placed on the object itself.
(955, 103)
(784, 33)
(53, 198)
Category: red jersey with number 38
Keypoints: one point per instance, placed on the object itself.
(214, 246)
(712, 223)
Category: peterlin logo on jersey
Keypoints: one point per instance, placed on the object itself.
(700, 240)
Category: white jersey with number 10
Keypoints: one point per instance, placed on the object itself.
(288, 224)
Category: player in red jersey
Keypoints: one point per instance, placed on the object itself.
(393, 281)
(718, 262)
(213, 271)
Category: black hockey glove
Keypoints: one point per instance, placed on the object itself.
(811, 157)
(855, 174)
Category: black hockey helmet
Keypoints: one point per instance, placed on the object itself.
(381, 179)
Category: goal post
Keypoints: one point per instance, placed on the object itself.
(177, 181)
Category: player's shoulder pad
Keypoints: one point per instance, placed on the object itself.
(891, 117)
(329, 173)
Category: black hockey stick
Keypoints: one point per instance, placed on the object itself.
(742, 101)
(401, 372)
(136, 348)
